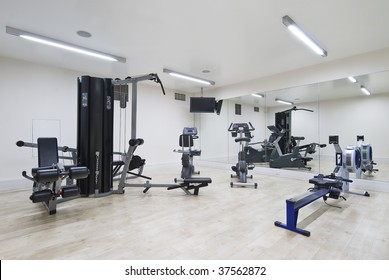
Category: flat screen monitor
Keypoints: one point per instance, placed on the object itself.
(219, 107)
(202, 105)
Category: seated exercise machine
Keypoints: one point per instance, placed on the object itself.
(129, 163)
(325, 186)
(49, 174)
(367, 163)
(188, 169)
(187, 183)
(186, 149)
(287, 151)
(346, 161)
(242, 134)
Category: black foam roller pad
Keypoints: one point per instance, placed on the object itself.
(70, 191)
(41, 196)
(78, 172)
(46, 175)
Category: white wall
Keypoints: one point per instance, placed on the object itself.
(363, 115)
(216, 142)
(35, 92)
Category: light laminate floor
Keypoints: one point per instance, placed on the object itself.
(221, 223)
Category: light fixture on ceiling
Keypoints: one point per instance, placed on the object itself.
(62, 45)
(352, 79)
(283, 101)
(188, 77)
(302, 35)
(258, 95)
(365, 90)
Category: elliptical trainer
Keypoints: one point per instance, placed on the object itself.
(242, 134)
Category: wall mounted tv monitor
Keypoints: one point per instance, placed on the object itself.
(218, 106)
(202, 105)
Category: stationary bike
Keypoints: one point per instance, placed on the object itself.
(186, 148)
(242, 134)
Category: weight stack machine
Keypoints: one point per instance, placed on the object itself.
(95, 134)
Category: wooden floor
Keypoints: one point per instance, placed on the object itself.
(221, 223)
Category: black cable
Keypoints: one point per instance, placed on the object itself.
(332, 205)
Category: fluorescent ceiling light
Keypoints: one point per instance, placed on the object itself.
(352, 79)
(284, 101)
(258, 95)
(365, 90)
(188, 77)
(62, 45)
(296, 30)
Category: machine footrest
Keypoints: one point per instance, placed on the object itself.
(197, 180)
(41, 196)
(70, 191)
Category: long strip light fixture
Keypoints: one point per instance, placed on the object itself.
(362, 87)
(188, 77)
(283, 101)
(303, 36)
(259, 95)
(365, 90)
(62, 45)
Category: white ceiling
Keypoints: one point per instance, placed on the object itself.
(236, 40)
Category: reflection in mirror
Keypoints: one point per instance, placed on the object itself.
(346, 111)
(339, 108)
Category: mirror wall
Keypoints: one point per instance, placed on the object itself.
(336, 107)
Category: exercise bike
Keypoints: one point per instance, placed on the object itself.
(242, 134)
(186, 144)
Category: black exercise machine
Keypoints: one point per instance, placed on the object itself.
(48, 176)
(242, 134)
(282, 150)
(95, 132)
(287, 150)
(325, 186)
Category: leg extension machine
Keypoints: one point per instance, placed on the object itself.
(48, 177)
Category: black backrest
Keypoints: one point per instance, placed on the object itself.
(186, 141)
(47, 151)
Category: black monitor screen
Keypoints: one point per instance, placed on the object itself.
(202, 104)
(219, 106)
